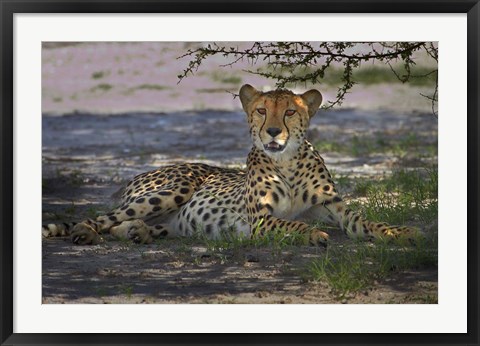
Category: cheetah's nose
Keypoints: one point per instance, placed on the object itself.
(274, 131)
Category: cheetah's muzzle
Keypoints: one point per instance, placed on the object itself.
(274, 147)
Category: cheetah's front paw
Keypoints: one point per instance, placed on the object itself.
(410, 235)
(139, 232)
(84, 234)
(135, 230)
(318, 238)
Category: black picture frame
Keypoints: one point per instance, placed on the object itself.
(7, 175)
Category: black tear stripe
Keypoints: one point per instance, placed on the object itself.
(286, 127)
(263, 124)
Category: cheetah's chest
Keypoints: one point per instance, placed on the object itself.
(283, 198)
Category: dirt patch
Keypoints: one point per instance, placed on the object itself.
(166, 273)
(86, 158)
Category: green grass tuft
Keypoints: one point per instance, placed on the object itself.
(155, 87)
(102, 87)
(357, 266)
(408, 196)
(225, 78)
(100, 74)
(379, 143)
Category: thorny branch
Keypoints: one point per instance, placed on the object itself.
(290, 63)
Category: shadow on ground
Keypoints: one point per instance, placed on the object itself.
(86, 158)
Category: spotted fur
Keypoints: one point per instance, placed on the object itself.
(285, 184)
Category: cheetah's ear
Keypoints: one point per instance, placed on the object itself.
(313, 98)
(247, 93)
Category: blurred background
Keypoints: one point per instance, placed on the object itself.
(110, 78)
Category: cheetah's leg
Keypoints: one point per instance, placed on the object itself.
(150, 195)
(141, 233)
(355, 226)
(154, 204)
(261, 222)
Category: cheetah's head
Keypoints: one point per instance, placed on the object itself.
(278, 119)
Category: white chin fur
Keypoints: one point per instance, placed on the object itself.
(284, 155)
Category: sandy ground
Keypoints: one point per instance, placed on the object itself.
(168, 273)
(97, 137)
(86, 158)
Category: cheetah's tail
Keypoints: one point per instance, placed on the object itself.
(57, 229)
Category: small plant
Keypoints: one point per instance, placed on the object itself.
(75, 177)
(231, 246)
(101, 291)
(103, 87)
(329, 146)
(154, 87)
(125, 243)
(278, 240)
(92, 212)
(222, 77)
(341, 180)
(100, 74)
(71, 210)
(127, 290)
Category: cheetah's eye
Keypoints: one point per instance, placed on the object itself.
(262, 111)
(290, 112)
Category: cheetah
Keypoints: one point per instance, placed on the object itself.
(285, 184)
